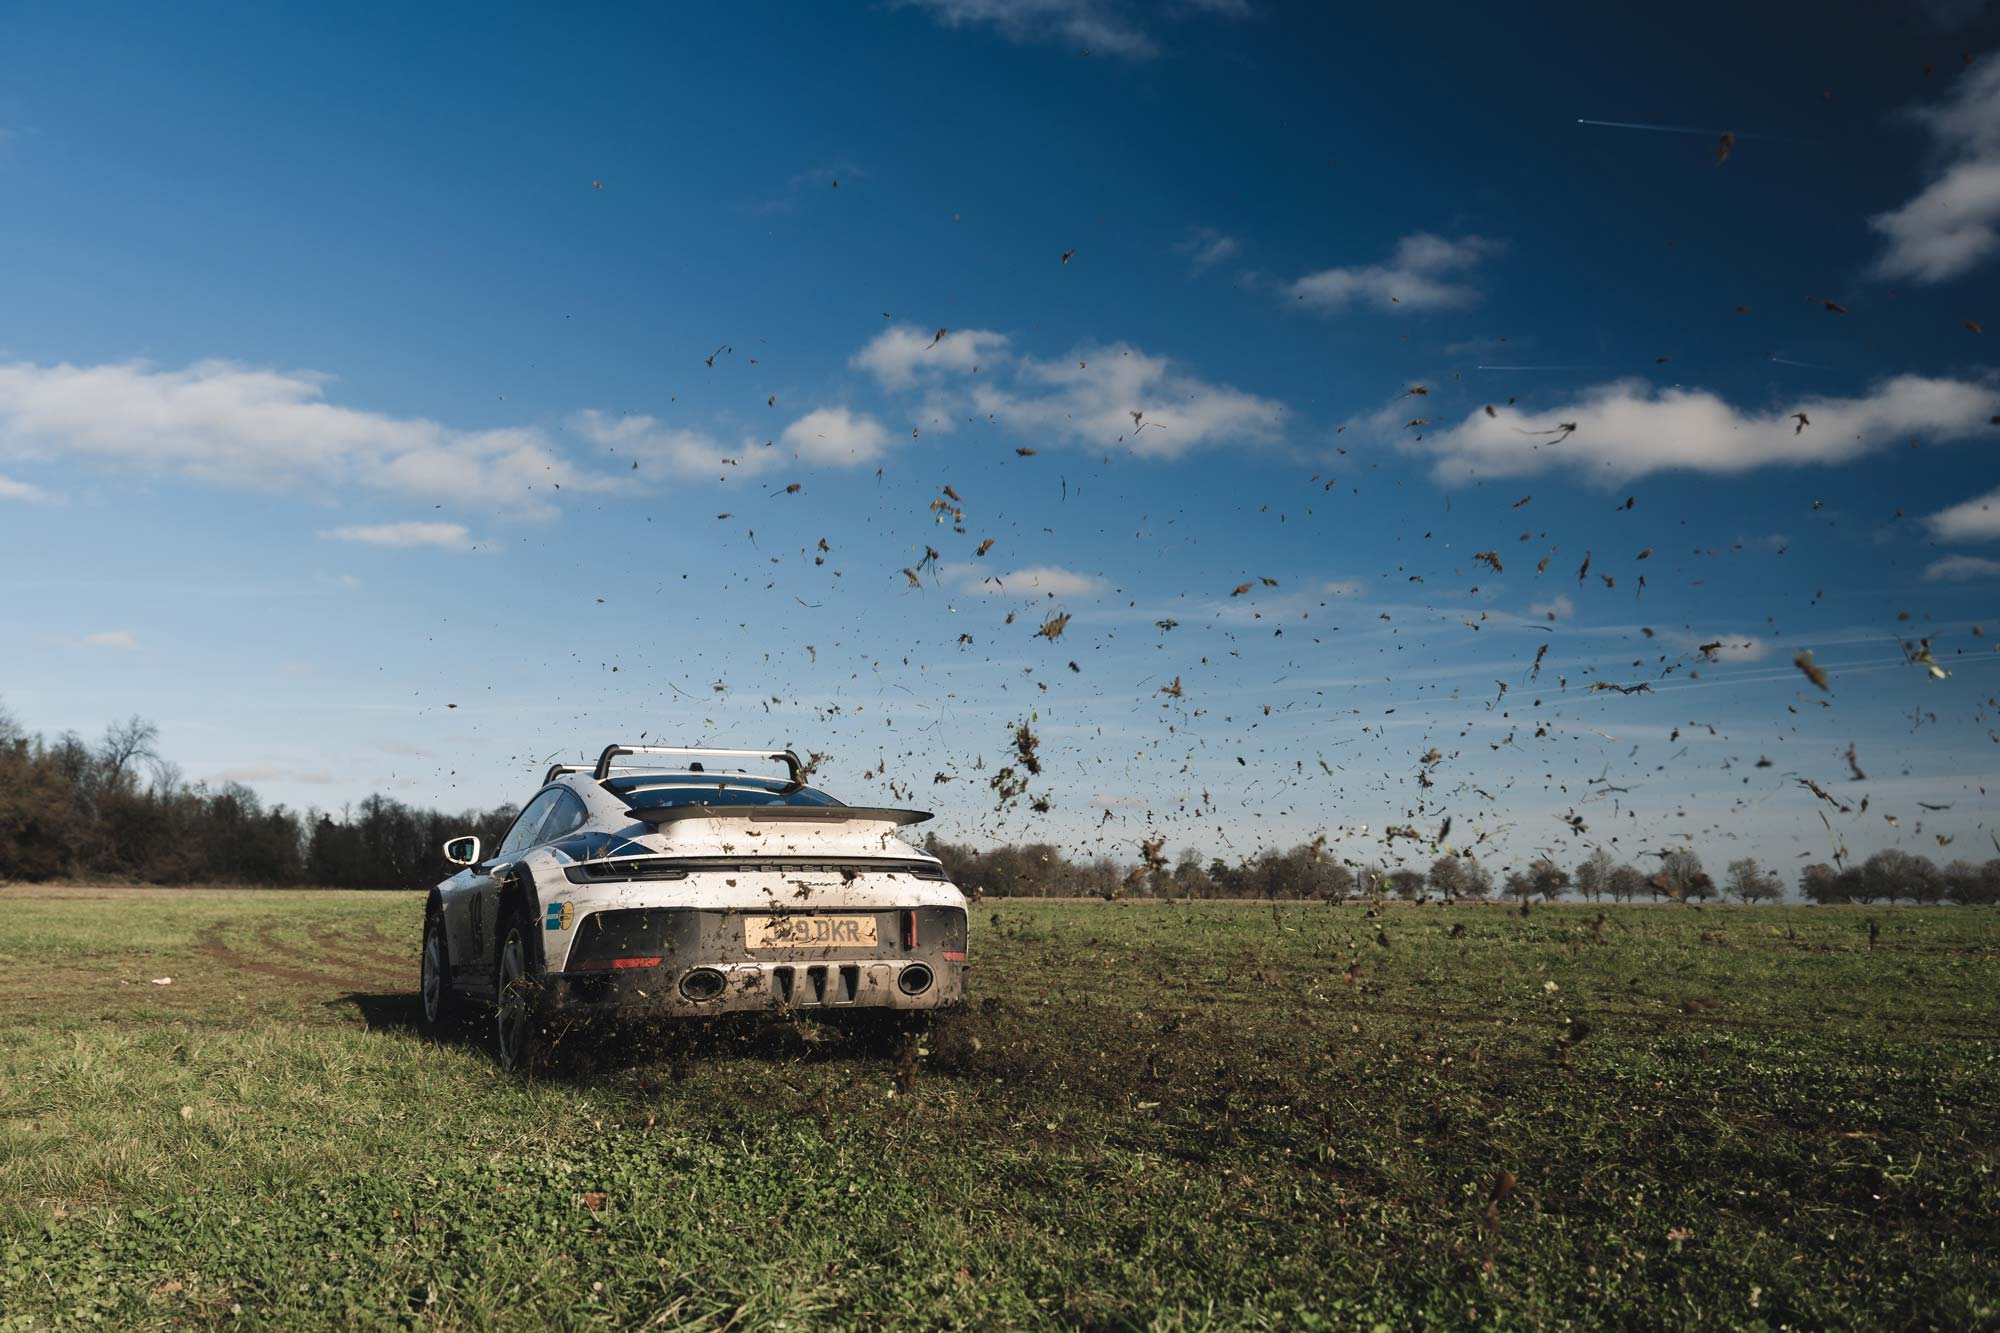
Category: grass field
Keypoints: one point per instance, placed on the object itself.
(1170, 1117)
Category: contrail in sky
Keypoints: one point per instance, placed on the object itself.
(1660, 129)
(1534, 367)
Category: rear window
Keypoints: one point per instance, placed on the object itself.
(653, 792)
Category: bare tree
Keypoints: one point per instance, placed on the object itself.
(1593, 876)
(1749, 882)
(1819, 883)
(1896, 875)
(1624, 883)
(124, 744)
(1682, 878)
(1966, 884)
(1447, 876)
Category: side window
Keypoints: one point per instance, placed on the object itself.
(567, 816)
(522, 835)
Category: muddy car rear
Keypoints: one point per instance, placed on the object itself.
(688, 892)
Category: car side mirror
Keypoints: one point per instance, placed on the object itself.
(462, 851)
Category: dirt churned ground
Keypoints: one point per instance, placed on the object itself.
(216, 1107)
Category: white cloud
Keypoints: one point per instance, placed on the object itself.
(691, 453)
(830, 436)
(1954, 221)
(1629, 429)
(1417, 277)
(1097, 26)
(402, 536)
(1284, 601)
(1958, 568)
(1090, 397)
(122, 639)
(1727, 647)
(901, 353)
(1973, 520)
(1032, 581)
(1559, 607)
(1205, 247)
(234, 425)
(836, 436)
(20, 490)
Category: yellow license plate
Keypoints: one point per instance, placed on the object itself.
(808, 932)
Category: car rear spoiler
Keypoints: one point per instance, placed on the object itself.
(788, 758)
(779, 814)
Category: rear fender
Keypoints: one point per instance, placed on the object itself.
(520, 902)
(434, 911)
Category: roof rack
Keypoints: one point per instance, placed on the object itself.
(788, 758)
(557, 770)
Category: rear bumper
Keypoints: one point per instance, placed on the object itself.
(668, 992)
(674, 960)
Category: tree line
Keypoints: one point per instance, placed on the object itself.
(1312, 871)
(116, 810)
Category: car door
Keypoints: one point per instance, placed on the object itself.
(469, 909)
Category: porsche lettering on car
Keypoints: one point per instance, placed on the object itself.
(660, 883)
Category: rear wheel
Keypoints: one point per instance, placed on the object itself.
(517, 1018)
(441, 1002)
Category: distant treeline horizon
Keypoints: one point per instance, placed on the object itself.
(115, 810)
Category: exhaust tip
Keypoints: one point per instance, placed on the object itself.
(915, 979)
(703, 983)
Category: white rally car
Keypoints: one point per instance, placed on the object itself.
(689, 891)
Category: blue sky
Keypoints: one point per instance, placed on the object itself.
(330, 342)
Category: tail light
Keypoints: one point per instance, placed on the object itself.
(605, 964)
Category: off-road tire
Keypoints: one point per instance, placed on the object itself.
(519, 1040)
(441, 1005)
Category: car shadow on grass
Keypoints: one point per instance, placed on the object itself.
(590, 1049)
(384, 1011)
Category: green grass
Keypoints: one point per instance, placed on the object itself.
(1162, 1117)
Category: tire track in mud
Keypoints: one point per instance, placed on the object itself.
(212, 947)
(1664, 1020)
(397, 957)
